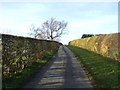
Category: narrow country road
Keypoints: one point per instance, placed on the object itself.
(62, 71)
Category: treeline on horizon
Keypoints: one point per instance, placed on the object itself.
(90, 35)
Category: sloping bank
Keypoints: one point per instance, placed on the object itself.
(106, 45)
(19, 53)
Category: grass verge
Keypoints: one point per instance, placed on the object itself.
(19, 79)
(104, 70)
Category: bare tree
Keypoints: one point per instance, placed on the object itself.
(32, 28)
(51, 29)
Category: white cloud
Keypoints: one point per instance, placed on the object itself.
(93, 25)
(59, 0)
(90, 26)
(66, 38)
(17, 17)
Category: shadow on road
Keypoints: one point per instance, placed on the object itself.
(62, 71)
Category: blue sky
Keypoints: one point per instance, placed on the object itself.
(82, 17)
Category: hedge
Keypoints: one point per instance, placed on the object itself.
(20, 52)
(107, 45)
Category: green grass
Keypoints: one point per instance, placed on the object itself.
(19, 79)
(104, 70)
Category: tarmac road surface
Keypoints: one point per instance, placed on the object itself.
(62, 71)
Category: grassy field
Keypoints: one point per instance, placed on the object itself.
(19, 79)
(103, 70)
